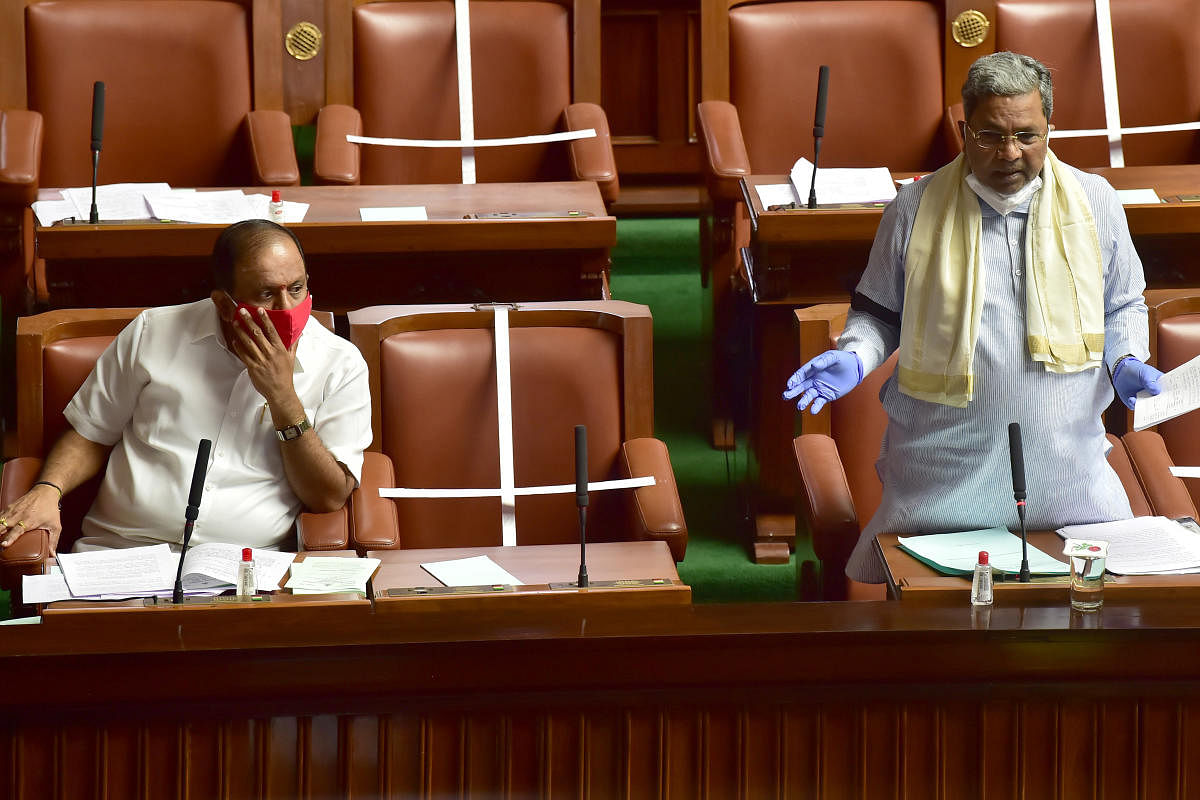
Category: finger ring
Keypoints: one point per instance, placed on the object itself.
(3, 522)
(22, 524)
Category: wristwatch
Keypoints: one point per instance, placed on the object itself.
(289, 432)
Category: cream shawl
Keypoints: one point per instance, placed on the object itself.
(943, 284)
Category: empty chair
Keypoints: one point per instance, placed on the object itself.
(434, 395)
(535, 70)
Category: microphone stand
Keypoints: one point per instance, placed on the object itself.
(583, 576)
(1023, 575)
(189, 520)
(812, 189)
(581, 499)
(94, 215)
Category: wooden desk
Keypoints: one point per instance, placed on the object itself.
(917, 583)
(352, 263)
(801, 257)
(832, 700)
(643, 571)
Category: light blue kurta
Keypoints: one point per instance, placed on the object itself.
(946, 469)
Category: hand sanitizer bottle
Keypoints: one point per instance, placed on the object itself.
(981, 582)
(245, 574)
(275, 208)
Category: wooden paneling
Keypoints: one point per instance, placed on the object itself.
(845, 700)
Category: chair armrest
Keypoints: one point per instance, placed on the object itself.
(657, 512)
(272, 150)
(325, 531)
(725, 154)
(593, 159)
(28, 554)
(1168, 496)
(20, 156)
(335, 160)
(825, 499)
(954, 115)
(373, 521)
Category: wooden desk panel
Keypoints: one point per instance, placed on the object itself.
(843, 700)
(537, 566)
(352, 263)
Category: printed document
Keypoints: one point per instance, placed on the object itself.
(1143, 545)
(957, 553)
(840, 185)
(1180, 394)
(326, 574)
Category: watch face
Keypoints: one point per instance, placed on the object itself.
(291, 432)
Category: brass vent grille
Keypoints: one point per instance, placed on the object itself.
(970, 28)
(303, 41)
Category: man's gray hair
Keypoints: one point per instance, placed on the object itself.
(1006, 74)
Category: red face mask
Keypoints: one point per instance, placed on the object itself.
(288, 322)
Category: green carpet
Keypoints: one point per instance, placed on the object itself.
(656, 262)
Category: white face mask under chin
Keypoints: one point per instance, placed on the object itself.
(1004, 204)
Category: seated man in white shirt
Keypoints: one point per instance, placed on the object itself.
(285, 402)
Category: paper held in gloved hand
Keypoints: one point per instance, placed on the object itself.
(1180, 394)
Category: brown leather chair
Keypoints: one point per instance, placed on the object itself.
(535, 70)
(760, 62)
(192, 98)
(838, 488)
(433, 390)
(1158, 73)
(1174, 320)
(56, 351)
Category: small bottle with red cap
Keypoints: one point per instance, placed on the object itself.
(981, 581)
(246, 586)
(275, 207)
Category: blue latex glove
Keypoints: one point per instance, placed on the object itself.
(826, 377)
(1132, 376)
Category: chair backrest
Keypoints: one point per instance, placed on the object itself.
(885, 102)
(1174, 320)
(178, 79)
(433, 388)
(530, 59)
(1157, 66)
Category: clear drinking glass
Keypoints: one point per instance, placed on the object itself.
(1087, 582)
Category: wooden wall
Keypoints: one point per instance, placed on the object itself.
(843, 700)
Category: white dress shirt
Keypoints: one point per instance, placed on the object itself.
(166, 382)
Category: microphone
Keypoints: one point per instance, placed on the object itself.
(97, 136)
(581, 499)
(1017, 462)
(193, 507)
(818, 129)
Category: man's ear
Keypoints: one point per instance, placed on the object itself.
(226, 308)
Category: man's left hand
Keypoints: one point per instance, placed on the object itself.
(1132, 376)
(268, 363)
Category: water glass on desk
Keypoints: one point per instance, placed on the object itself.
(1087, 572)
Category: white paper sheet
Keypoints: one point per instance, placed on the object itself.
(213, 208)
(841, 185)
(126, 571)
(394, 214)
(321, 575)
(115, 200)
(775, 194)
(1143, 545)
(1133, 196)
(474, 571)
(1180, 394)
(44, 588)
(49, 212)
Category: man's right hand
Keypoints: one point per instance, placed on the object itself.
(824, 378)
(37, 508)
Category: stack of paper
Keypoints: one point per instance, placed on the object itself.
(136, 201)
(208, 569)
(957, 553)
(1180, 394)
(325, 575)
(840, 185)
(1143, 545)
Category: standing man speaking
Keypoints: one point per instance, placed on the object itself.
(1011, 287)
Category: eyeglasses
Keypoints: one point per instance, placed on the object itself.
(994, 140)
